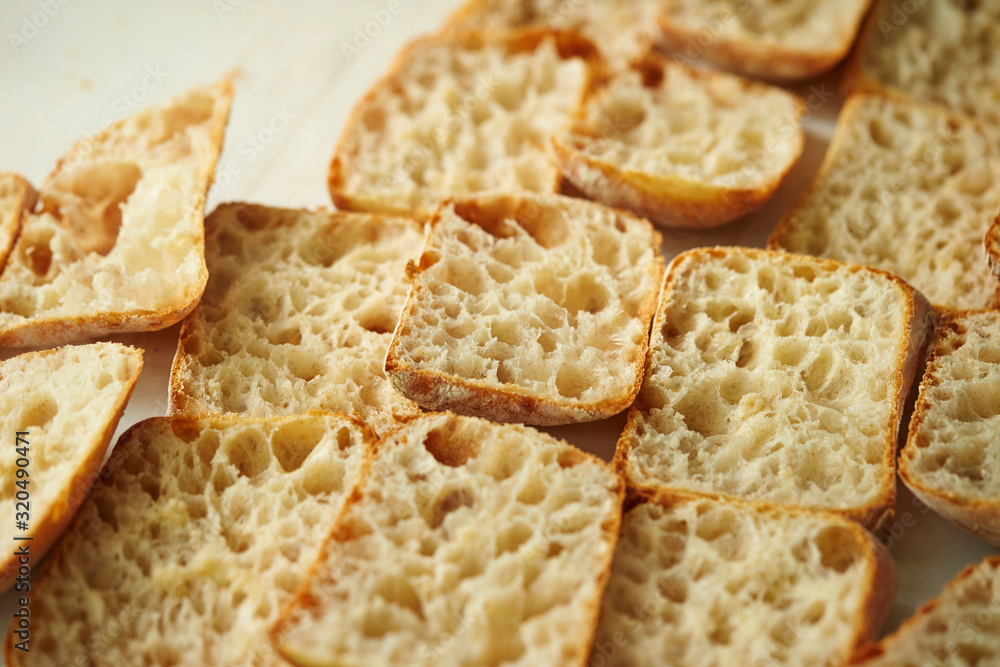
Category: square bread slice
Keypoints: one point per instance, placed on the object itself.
(17, 198)
(782, 40)
(531, 309)
(944, 52)
(909, 189)
(681, 146)
(199, 534)
(779, 379)
(699, 582)
(951, 460)
(58, 411)
(461, 114)
(467, 543)
(622, 31)
(297, 315)
(992, 243)
(117, 243)
(959, 628)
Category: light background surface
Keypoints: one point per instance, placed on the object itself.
(77, 63)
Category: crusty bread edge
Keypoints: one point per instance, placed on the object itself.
(47, 528)
(921, 322)
(992, 245)
(27, 197)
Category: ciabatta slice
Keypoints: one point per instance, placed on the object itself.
(198, 535)
(58, 411)
(777, 378)
(117, 242)
(467, 543)
(680, 146)
(532, 309)
(17, 198)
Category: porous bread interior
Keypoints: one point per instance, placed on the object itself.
(297, 315)
(470, 544)
(457, 116)
(909, 190)
(549, 294)
(772, 377)
(64, 400)
(16, 197)
(119, 223)
(701, 583)
(807, 26)
(954, 450)
(194, 542)
(672, 121)
(621, 30)
(937, 51)
(962, 629)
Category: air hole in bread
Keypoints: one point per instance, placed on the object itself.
(208, 445)
(38, 412)
(247, 451)
(197, 110)
(839, 548)
(571, 382)
(450, 501)
(512, 537)
(294, 441)
(451, 452)
(378, 319)
(37, 255)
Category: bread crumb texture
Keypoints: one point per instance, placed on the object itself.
(774, 377)
(907, 189)
(469, 544)
(533, 309)
(297, 315)
(992, 243)
(459, 115)
(197, 537)
(116, 242)
(17, 197)
(698, 582)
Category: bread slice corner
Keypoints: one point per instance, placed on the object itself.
(17, 199)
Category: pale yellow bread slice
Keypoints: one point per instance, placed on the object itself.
(117, 243)
(468, 543)
(58, 411)
(698, 582)
(198, 535)
(17, 198)
(779, 379)
(297, 315)
(681, 146)
(531, 309)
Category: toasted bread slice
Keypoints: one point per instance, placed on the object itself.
(531, 309)
(118, 242)
(622, 31)
(198, 536)
(951, 460)
(777, 378)
(467, 543)
(699, 582)
(959, 628)
(58, 411)
(298, 313)
(992, 243)
(944, 52)
(461, 114)
(909, 189)
(17, 198)
(772, 39)
(680, 146)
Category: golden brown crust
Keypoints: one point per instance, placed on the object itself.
(992, 243)
(910, 355)
(20, 199)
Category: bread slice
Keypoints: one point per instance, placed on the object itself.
(942, 52)
(117, 243)
(773, 39)
(468, 543)
(960, 628)
(17, 197)
(532, 309)
(951, 460)
(681, 146)
(908, 189)
(779, 379)
(461, 114)
(623, 31)
(992, 243)
(700, 582)
(58, 411)
(199, 535)
(298, 313)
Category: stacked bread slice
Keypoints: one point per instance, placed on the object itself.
(297, 315)
(17, 197)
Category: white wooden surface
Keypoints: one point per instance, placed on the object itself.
(68, 65)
